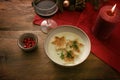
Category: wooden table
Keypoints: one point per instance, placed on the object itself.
(15, 19)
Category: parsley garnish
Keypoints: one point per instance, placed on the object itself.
(69, 54)
(62, 55)
(74, 45)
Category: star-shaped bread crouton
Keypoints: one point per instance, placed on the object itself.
(59, 42)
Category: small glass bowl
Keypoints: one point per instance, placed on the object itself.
(28, 41)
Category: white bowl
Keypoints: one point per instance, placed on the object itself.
(69, 32)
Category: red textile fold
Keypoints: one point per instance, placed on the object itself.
(107, 50)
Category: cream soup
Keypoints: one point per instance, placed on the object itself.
(55, 51)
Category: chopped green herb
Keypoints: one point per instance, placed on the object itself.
(69, 54)
(75, 46)
(62, 55)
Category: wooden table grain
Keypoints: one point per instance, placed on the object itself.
(15, 19)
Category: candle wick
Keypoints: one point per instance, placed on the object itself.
(113, 12)
(110, 13)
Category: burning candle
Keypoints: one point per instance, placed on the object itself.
(106, 21)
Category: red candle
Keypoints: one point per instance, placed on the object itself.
(106, 21)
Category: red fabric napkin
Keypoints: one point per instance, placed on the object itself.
(107, 50)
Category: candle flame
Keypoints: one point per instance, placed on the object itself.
(113, 8)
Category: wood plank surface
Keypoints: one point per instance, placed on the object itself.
(18, 65)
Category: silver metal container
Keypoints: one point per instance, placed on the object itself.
(45, 7)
